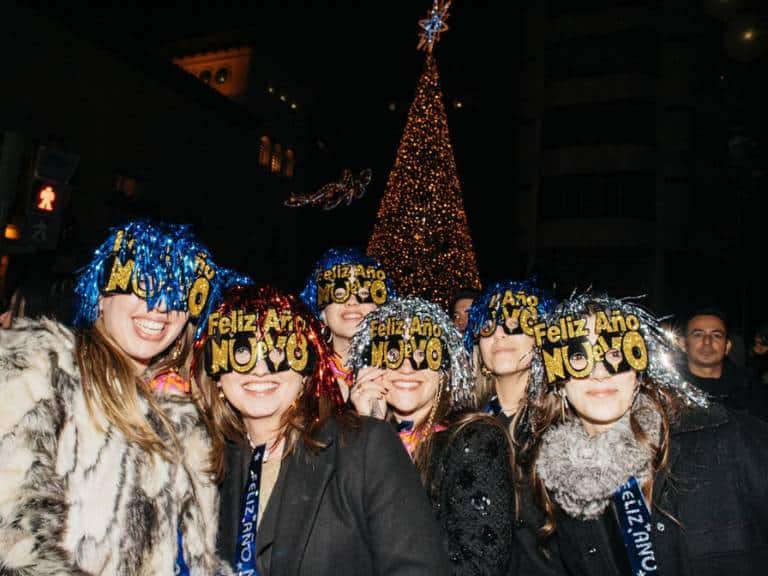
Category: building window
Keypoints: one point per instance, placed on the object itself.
(265, 152)
(560, 7)
(288, 166)
(633, 51)
(600, 124)
(277, 159)
(222, 75)
(629, 195)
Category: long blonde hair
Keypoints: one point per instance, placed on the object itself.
(113, 390)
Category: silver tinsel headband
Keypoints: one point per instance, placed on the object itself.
(662, 371)
(460, 384)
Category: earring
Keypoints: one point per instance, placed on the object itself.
(433, 413)
(221, 392)
(485, 371)
(563, 401)
(176, 353)
(325, 334)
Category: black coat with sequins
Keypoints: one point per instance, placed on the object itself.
(471, 486)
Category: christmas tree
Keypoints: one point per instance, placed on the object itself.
(421, 234)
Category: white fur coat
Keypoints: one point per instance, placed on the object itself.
(77, 498)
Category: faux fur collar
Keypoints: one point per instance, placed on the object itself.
(581, 472)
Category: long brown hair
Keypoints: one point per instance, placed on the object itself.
(549, 410)
(455, 421)
(112, 388)
(319, 400)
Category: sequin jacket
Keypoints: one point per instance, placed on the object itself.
(472, 491)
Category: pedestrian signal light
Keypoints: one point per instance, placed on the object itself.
(45, 198)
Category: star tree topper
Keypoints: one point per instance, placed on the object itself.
(434, 25)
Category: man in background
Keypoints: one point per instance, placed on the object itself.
(707, 344)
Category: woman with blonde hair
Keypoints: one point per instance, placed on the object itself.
(103, 459)
(636, 473)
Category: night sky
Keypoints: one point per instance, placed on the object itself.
(357, 57)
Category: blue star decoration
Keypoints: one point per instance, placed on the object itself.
(434, 25)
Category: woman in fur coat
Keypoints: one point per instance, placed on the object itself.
(636, 475)
(409, 353)
(307, 488)
(100, 473)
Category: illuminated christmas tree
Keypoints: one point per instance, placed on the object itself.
(421, 234)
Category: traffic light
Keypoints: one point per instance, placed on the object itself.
(46, 197)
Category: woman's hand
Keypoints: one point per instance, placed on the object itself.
(368, 393)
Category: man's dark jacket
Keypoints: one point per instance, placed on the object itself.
(735, 389)
(354, 507)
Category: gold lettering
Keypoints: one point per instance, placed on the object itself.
(119, 276)
(295, 344)
(434, 353)
(602, 324)
(378, 292)
(378, 352)
(540, 330)
(635, 350)
(553, 365)
(587, 370)
(324, 293)
(219, 355)
(252, 359)
(271, 321)
(213, 322)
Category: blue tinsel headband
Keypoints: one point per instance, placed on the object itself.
(490, 301)
(337, 257)
(161, 263)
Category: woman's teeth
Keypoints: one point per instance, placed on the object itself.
(405, 384)
(151, 327)
(260, 386)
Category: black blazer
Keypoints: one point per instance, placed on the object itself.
(353, 507)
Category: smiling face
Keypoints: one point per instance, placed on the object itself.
(260, 395)
(142, 334)
(603, 397)
(344, 319)
(412, 393)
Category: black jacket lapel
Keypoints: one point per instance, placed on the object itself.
(306, 477)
